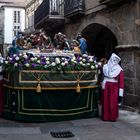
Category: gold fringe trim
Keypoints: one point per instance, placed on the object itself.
(49, 88)
(38, 88)
(78, 88)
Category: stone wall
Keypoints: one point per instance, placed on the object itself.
(130, 55)
(122, 22)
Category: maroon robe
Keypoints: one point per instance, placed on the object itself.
(110, 111)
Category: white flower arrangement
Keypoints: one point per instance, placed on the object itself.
(27, 62)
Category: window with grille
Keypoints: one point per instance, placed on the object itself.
(16, 30)
(17, 15)
(16, 22)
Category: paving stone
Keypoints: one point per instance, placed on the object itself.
(127, 127)
(19, 130)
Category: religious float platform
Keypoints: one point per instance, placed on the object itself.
(49, 93)
(57, 99)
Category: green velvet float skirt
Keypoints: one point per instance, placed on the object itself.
(57, 100)
(50, 105)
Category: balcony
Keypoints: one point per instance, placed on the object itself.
(49, 15)
(74, 8)
(113, 3)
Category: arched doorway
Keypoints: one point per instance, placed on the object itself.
(101, 41)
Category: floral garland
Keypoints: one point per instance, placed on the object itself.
(24, 61)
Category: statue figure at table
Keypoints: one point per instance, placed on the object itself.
(17, 43)
(61, 42)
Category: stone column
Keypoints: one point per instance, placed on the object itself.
(130, 55)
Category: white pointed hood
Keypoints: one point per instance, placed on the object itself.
(112, 68)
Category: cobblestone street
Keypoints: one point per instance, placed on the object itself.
(67, 66)
(126, 128)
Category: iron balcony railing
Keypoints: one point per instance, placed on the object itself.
(113, 2)
(73, 6)
(49, 8)
(108, 1)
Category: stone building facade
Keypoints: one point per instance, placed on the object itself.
(31, 6)
(12, 14)
(111, 26)
(121, 21)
